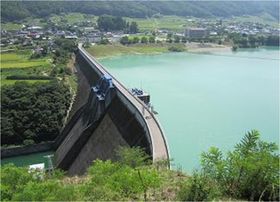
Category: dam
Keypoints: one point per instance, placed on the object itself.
(109, 116)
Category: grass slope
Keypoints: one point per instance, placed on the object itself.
(21, 59)
(101, 51)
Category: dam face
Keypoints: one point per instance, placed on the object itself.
(111, 117)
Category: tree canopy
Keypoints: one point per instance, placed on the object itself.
(32, 113)
(111, 23)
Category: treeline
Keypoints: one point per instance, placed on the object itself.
(28, 77)
(32, 113)
(144, 39)
(249, 172)
(18, 10)
(253, 41)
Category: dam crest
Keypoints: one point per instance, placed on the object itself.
(111, 116)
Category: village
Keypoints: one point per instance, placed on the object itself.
(199, 30)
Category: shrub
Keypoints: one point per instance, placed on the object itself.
(28, 77)
(124, 40)
(136, 39)
(28, 142)
(48, 190)
(127, 178)
(104, 41)
(199, 187)
(152, 39)
(176, 49)
(13, 180)
(250, 171)
(133, 157)
(144, 39)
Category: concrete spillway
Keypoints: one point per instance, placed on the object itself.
(110, 118)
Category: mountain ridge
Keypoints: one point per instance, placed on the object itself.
(18, 10)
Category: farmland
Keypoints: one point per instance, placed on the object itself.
(19, 63)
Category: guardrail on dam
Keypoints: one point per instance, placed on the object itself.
(111, 117)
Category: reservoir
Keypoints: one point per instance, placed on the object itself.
(206, 100)
(26, 160)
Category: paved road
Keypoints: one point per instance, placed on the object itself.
(159, 144)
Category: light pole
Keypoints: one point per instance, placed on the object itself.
(50, 164)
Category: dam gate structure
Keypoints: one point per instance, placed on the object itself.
(111, 117)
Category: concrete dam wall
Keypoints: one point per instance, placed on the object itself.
(110, 118)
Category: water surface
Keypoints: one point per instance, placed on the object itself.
(26, 160)
(207, 100)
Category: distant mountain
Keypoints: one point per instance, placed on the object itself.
(18, 10)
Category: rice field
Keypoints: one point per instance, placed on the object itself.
(174, 23)
(19, 63)
(22, 60)
(72, 18)
(10, 26)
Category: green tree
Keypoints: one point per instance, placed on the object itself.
(272, 40)
(111, 23)
(152, 39)
(184, 39)
(144, 39)
(133, 157)
(169, 38)
(135, 39)
(253, 41)
(133, 28)
(176, 39)
(124, 40)
(250, 171)
(104, 41)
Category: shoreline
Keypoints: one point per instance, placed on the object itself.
(131, 53)
(210, 50)
(116, 50)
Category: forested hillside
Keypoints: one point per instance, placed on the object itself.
(15, 11)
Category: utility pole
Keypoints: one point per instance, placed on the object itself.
(50, 164)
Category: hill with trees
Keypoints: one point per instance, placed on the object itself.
(32, 113)
(18, 10)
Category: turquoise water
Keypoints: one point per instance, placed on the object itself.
(207, 100)
(26, 160)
